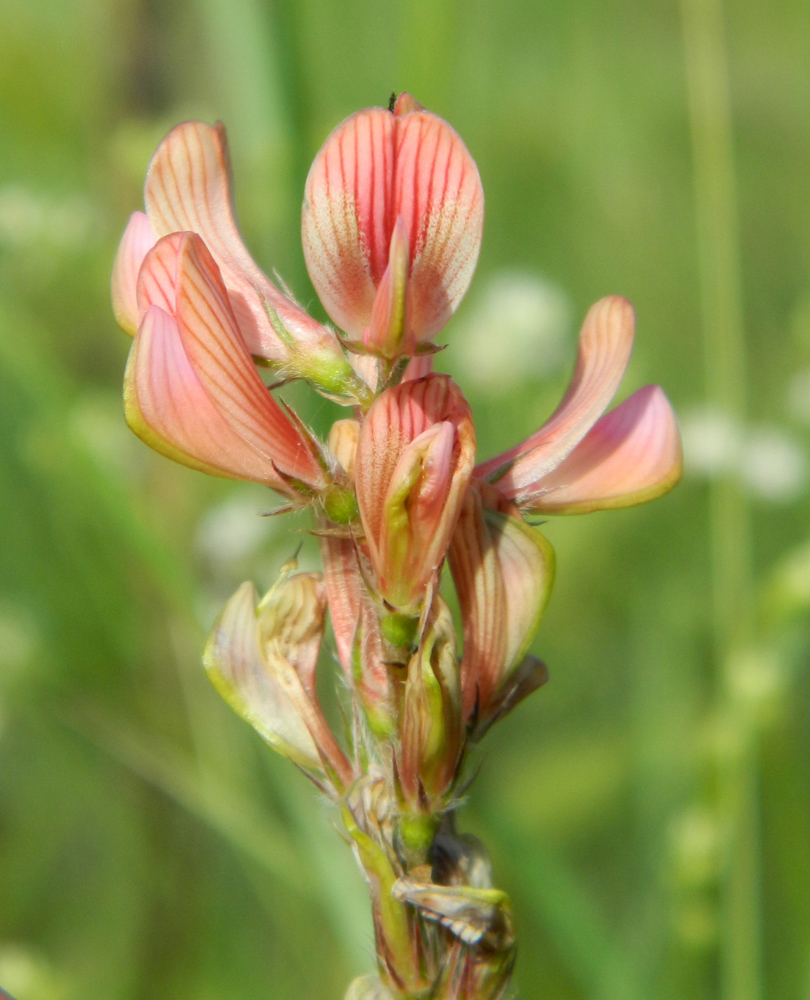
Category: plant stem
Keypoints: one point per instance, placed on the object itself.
(732, 583)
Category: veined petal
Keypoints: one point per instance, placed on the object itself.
(503, 571)
(414, 460)
(188, 188)
(291, 624)
(414, 537)
(398, 416)
(168, 408)
(388, 331)
(343, 589)
(633, 454)
(215, 348)
(237, 669)
(604, 351)
(373, 168)
(137, 240)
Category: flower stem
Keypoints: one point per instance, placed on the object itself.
(731, 565)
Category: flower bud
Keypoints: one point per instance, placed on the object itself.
(414, 460)
(432, 726)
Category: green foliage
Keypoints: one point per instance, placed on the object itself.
(150, 845)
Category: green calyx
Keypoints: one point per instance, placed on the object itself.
(399, 629)
(340, 504)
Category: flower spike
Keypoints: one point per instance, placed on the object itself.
(379, 167)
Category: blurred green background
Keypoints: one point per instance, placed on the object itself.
(649, 810)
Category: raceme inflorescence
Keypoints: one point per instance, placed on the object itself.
(391, 228)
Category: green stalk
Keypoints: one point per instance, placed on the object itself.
(731, 565)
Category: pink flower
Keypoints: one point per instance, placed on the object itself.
(578, 461)
(188, 189)
(415, 455)
(191, 390)
(392, 223)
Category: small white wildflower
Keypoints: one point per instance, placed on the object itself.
(516, 331)
(773, 465)
(711, 442)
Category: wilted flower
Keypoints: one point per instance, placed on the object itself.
(262, 656)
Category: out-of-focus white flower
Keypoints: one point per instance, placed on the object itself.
(711, 442)
(234, 530)
(28, 973)
(768, 461)
(798, 396)
(773, 465)
(31, 219)
(516, 331)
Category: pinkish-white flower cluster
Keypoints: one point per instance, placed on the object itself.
(392, 225)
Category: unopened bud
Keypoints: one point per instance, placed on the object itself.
(432, 729)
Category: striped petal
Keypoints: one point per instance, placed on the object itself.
(604, 351)
(167, 407)
(212, 370)
(503, 572)
(215, 348)
(188, 188)
(414, 460)
(136, 242)
(375, 167)
(633, 454)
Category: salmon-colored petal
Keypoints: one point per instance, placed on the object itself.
(604, 351)
(414, 460)
(188, 188)
(168, 408)
(215, 348)
(137, 240)
(503, 571)
(398, 416)
(343, 585)
(418, 515)
(375, 167)
(388, 331)
(633, 454)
